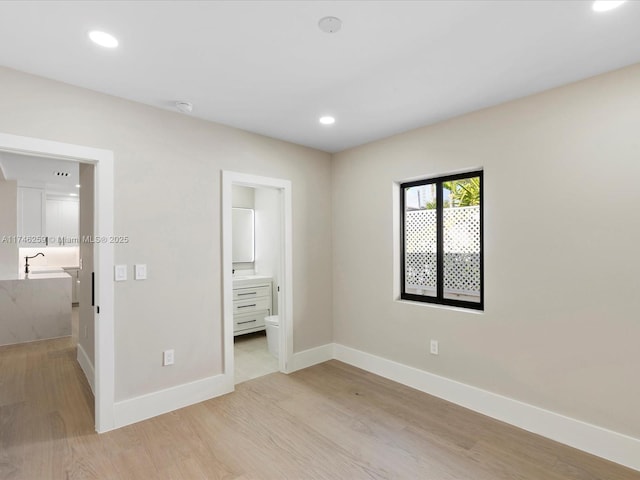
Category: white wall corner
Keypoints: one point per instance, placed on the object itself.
(590, 438)
(87, 366)
(310, 357)
(140, 408)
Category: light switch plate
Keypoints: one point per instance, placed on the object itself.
(168, 357)
(140, 271)
(120, 273)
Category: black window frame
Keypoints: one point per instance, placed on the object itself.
(439, 299)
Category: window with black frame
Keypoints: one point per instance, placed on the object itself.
(441, 243)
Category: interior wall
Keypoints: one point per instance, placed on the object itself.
(560, 329)
(168, 203)
(268, 208)
(8, 228)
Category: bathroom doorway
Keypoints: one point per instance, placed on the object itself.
(257, 297)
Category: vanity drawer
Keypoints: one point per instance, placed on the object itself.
(241, 307)
(244, 322)
(252, 292)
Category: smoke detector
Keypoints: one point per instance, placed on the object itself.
(184, 107)
(330, 24)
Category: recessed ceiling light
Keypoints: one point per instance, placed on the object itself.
(330, 24)
(73, 194)
(78, 186)
(103, 39)
(327, 120)
(606, 5)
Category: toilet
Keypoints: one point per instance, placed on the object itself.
(273, 334)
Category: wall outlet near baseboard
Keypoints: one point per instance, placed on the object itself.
(167, 357)
(434, 347)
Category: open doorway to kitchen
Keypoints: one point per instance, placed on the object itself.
(47, 322)
(53, 224)
(257, 260)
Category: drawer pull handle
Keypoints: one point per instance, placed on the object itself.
(247, 321)
(246, 306)
(249, 293)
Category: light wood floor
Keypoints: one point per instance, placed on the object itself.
(331, 421)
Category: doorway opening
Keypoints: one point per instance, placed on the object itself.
(95, 293)
(46, 261)
(257, 270)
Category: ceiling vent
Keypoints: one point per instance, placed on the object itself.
(184, 107)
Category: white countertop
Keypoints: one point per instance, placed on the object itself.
(45, 269)
(44, 275)
(39, 273)
(246, 280)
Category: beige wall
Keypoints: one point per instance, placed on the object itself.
(560, 329)
(8, 227)
(167, 200)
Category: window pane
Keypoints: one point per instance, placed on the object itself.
(461, 229)
(420, 252)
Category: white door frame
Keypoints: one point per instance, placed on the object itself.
(104, 367)
(286, 261)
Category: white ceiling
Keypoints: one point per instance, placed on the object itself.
(41, 172)
(265, 66)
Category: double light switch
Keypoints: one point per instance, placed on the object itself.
(139, 272)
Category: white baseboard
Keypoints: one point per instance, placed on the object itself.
(590, 438)
(140, 408)
(87, 366)
(310, 357)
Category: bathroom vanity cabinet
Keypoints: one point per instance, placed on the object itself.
(251, 303)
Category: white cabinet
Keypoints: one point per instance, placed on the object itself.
(62, 221)
(31, 217)
(46, 221)
(251, 303)
(75, 283)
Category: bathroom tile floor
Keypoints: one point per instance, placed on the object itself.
(252, 357)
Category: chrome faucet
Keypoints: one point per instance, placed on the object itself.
(26, 261)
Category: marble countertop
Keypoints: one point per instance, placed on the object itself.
(45, 269)
(39, 273)
(36, 276)
(44, 275)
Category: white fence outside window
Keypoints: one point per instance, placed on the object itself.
(461, 250)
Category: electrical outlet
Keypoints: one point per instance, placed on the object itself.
(167, 357)
(434, 347)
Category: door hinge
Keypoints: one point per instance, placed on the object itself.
(98, 309)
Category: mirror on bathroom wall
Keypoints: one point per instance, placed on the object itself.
(243, 235)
